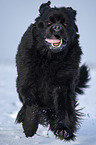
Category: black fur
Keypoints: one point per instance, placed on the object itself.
(49, 77)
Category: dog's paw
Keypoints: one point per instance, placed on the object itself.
(64, 134)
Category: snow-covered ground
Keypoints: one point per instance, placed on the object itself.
(12, 134)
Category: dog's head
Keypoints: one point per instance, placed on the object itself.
(56, 27)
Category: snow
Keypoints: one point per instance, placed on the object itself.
(12, 133)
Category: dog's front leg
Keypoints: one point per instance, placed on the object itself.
(63, 125)
(29, 116)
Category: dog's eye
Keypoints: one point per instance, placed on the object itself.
(49, 23)
(65, 24)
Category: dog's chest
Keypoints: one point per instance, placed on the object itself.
(52, 72)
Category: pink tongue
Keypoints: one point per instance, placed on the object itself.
(52, 40)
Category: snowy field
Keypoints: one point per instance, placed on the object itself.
(12, 134)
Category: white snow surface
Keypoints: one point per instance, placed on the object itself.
(12, 133)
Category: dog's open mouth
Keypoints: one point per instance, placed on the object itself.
(55, 42)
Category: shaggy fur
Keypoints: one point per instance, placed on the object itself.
(49, 75)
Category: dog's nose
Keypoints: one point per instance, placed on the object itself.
(57, 28)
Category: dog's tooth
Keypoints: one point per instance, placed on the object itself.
(57, 46)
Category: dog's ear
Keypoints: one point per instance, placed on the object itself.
(73, 12)
(44, 6)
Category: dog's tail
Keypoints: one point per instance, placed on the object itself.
(83, 79)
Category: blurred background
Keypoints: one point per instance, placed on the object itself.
(17, 15)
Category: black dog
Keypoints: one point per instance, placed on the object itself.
(49, 76)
